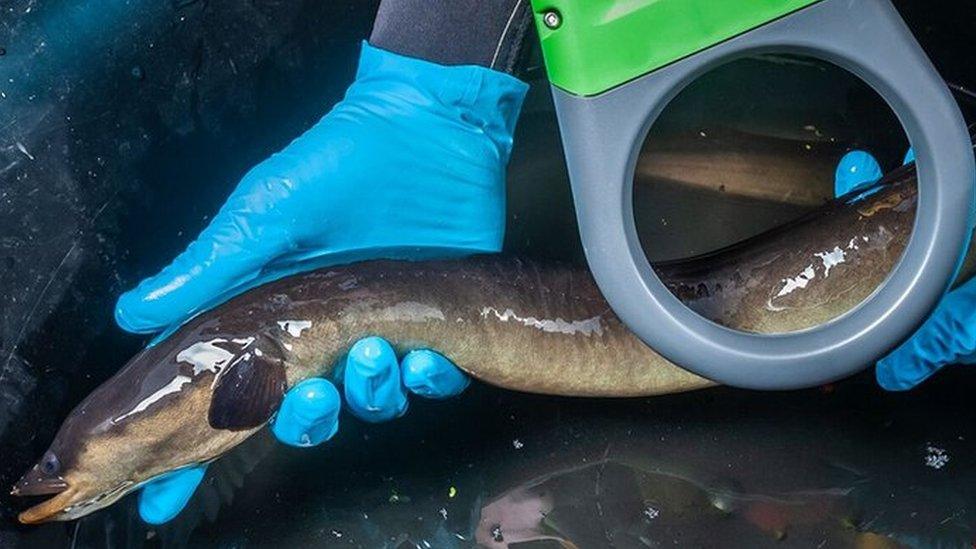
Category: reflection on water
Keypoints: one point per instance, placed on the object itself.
(640, 504)
(844, 466)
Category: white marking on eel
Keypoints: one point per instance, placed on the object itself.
(798, 282)
(244, 342)
(790, 285)
(294, 327)
(174, 386)
(222, 371)
(586, 327)
(831, 259)
(206, 356)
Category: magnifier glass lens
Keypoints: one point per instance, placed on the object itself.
(734, 194)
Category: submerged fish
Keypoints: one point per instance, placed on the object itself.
(521, 325)
(743, 165)
(219, 378)
(809, 271)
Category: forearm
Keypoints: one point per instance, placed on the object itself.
(488, 33)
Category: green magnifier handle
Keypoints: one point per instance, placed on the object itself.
(615, 65)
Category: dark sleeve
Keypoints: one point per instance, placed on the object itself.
(454, 32)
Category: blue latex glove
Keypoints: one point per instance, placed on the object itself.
(375, 386)
(948, 336)
(410, 164)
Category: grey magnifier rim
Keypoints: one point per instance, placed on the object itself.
(602, 136)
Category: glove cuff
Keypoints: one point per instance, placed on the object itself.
(484, 98)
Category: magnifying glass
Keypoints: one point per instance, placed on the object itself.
(614, 65)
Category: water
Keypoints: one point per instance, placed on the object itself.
(138, 120)
(844, 466)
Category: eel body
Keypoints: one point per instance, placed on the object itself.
(517, 324)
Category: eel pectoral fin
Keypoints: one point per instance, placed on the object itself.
(247, 394)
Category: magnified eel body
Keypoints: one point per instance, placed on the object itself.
(517, 324)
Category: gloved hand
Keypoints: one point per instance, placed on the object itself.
(948, 336)
(375, 386)
(410, 164)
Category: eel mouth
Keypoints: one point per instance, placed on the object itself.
(50, 509)
(33, 484)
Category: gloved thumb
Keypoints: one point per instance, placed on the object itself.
(231, 251)
(856, 169)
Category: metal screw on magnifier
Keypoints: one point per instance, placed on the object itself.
(552, 19)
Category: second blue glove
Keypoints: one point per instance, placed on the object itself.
(946, 337)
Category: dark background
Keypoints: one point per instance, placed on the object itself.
(123, 125)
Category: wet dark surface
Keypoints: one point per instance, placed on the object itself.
(714, 468)
(122, 127)
(844, 466)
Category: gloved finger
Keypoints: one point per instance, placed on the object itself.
(371, 380)
(909, 156)
(430, 374)
(240, 240)
(856, 169)
(947, 337)
(309, 414)
(162, 498)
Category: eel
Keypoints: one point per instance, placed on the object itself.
(514, 323)
(732, 163)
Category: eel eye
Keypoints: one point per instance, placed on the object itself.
(50, 464)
